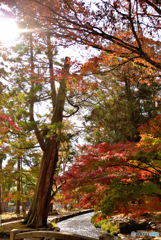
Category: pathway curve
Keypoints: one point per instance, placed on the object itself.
(80, 225)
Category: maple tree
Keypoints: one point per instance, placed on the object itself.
(111, 178)
(6, 119)
(127, 28)
(6, 122)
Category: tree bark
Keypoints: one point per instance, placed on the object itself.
(37, 216)
(18, 189)
(0, 189)
(2, 157)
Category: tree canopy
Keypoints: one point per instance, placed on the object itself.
(129, 29)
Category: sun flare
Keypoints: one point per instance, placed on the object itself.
(8, 30)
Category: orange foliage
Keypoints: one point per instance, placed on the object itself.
(108, 26)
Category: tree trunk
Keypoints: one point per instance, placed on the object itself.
(0, 201)
(18, 189)
(51, 208)
(24, 209)
(37, 215)
(0, 189)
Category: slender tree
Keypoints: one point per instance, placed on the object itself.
(2, 157)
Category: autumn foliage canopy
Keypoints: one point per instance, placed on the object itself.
(128, 29)
(121, 178)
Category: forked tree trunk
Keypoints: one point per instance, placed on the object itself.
(37, 215)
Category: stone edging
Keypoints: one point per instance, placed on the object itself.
(70, 215)
(11, 219)
(56, 219)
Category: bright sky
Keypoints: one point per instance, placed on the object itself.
(8, 30)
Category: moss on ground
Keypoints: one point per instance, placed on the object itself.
(10, 215)
(17, 225)
(104, 224)
(107, 226)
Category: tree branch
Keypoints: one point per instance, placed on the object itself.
(154, 6)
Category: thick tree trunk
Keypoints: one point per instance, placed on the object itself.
(37, 215)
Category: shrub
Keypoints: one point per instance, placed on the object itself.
(94, 217)
(104, 224)
(109, 227)
(100, 223)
